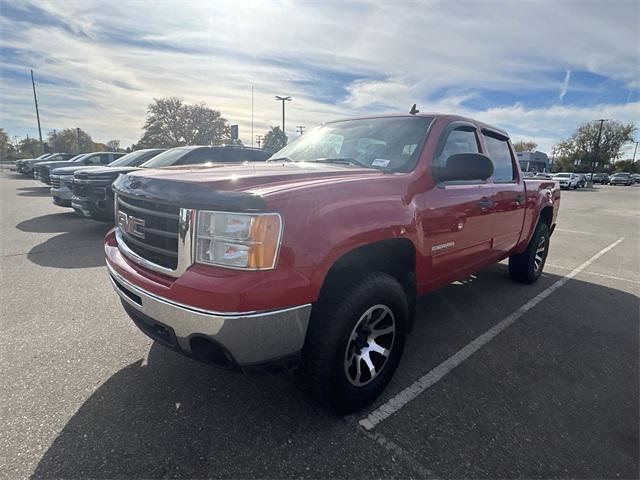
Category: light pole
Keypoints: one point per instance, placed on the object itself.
(300, 129)
(284, 135)
(634, 152)
(259, 139)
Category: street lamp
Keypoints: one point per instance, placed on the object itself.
(283, 99)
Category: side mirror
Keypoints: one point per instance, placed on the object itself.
(466, 166)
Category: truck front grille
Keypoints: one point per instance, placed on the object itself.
(149, 229)
(80, 189)
(55, 182)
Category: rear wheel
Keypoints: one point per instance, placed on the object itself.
(355, 339)
(526, 267)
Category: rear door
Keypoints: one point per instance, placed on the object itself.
(508, 195)
(455, 215)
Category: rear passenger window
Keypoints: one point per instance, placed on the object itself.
(201, 155)
(460, 140)
(500, 154)
(93, 160)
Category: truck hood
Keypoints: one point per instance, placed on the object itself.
(258, 178)
(71, 170)
(55, 163)
(104, 171)
(31, 161)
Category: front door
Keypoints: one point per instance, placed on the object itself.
(456, 215)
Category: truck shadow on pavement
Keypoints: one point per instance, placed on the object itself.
(169, 416)
(65, 221)
(78, 246)
(34, 191)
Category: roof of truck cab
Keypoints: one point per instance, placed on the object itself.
(450, 117)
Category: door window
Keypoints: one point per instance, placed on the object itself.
(459, 140)
(500, 154)
(93, 160)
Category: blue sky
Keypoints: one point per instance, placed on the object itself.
(534, 68)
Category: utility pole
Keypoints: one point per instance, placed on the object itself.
(597, 153)
(634, 152)
(78, 138)
(300, 129)
(283, 100)
(35, 100)
(259, 139)
(251, 116)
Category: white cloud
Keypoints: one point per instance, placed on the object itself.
(369, 57)
(565, 85)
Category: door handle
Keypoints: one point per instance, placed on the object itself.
(519, 199)
(485, 202)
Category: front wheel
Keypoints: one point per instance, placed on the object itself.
(526, 267)
(355, 339)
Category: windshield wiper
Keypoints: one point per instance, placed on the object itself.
(280, 159)
(343, 161)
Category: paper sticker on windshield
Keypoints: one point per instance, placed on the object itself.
(380, 162)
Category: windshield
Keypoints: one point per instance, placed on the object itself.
(130, 159)
(621, 174)
(391, 144)
(166, 159)
(78, 158)
(563, 175)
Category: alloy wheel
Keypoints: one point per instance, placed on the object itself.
(541, 250)
(370, 345)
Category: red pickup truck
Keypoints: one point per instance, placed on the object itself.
(315, 258)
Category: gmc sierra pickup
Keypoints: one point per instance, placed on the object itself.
(315, 258)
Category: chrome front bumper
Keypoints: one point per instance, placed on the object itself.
(251, 338)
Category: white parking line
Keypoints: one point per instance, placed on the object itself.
(603, 275)
(580, 232)
(394, 404)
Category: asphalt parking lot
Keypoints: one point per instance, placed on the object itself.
(553, 394)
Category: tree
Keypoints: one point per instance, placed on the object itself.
(525, 146)
(581, 147)
(70, 140)
(7, 149)
(274, 139)
(29, 148)
(627, 166)
(172, 123)
(113, 145)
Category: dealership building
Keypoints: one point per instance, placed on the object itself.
(533, 161)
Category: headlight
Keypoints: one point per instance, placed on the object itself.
(238, 240)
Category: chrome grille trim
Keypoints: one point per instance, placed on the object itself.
(185, 240)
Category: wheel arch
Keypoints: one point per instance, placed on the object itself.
(395, 257)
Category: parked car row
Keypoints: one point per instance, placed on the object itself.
(623, 178)
(83, 182)
(315, 257)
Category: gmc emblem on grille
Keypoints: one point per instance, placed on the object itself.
(131, 225)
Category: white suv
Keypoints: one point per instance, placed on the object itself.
(567, 180)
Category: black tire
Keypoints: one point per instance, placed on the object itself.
(525, 267)
(330, 339)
